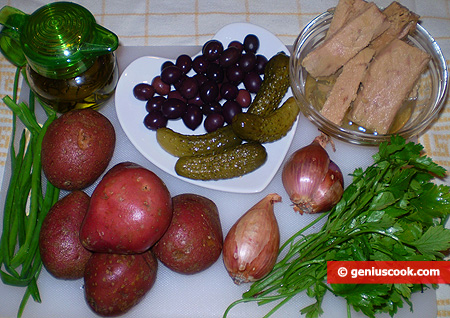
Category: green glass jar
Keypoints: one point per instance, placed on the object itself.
(68, 57)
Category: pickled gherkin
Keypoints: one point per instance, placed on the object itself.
(180, 145)
(267, 129)
(230, 163)
(274, 86)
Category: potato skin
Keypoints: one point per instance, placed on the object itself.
(61, 250)
(77, 149)
(194, 239)
(114, 283)
(130, 210)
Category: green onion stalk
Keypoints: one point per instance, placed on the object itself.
(29, 198)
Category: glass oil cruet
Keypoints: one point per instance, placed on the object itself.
(68, 58)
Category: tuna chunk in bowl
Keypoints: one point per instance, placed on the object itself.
(362, 100)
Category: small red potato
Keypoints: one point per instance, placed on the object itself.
(77, 148)
(193, 241)
(130, 210)
(114, 283)
(60, 247)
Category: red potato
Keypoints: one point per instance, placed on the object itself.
(130, 210)
(77, 148)
(194, 239)
(114, 283)
(60, 247)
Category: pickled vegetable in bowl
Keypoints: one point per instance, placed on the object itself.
(145, 68)
(417, 112)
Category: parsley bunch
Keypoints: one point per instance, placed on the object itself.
(392, 211)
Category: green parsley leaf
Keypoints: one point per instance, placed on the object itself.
(435, 240)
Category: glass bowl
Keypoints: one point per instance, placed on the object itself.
(431, 88)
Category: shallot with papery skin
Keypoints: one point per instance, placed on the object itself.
(313, 182)
(251, 246)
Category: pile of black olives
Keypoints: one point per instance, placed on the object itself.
(205, 89)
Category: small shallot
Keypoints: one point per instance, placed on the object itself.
(251, 246)
(313, 182)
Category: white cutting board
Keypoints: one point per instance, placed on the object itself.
(206, 294)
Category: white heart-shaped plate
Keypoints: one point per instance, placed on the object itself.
(131, 113)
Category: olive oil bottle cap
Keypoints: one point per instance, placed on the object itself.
(58, 40)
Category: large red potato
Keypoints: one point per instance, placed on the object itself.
(77, 149)
(60, 247)
(130, 210)
(193, 241)
(114, 283)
